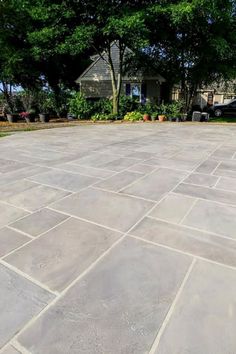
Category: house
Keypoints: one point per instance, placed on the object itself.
(95, 81)
(217, 92)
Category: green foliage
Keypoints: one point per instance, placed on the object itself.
(44, 102)
(133, 116)
(103, 106)
(13, 105)
(127, 104)
(175, 109)
(79, 106)
(103, 116)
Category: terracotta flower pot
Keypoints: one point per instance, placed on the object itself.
(146, 117)
(44, 117)
(162, 118)
(12, 118)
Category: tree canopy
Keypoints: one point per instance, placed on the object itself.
(190, 42)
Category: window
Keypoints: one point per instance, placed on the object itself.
(136, 91)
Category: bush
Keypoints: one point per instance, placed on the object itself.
(103, 116)
(133, 116)
(104, 106)
(174, 109)
(44, 102)
(79, 106)
(127, 104)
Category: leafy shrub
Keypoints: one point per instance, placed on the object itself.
(127, 104)
(104, 105)
(174, 109)
(102, 116)
(44, 102)
(13, 104)
(133, 116)
(79, 106)
(163, 109)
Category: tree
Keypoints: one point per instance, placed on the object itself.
(193, 42)
(79, 28)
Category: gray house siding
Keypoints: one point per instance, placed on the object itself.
(95, 82)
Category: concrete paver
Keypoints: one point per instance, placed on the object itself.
(118, 238)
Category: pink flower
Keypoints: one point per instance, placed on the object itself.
(24, 114)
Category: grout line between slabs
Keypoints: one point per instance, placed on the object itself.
(34, 238)
(19, 231)
(176, 250)
(171, 309)
(92, 265)
(189, 211)
(28, 277)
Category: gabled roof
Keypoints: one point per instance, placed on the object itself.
(99, 70)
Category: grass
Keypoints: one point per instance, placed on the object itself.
(3, 134)
(223, 119)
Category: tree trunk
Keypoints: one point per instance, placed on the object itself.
(116, 78)
(115, 103)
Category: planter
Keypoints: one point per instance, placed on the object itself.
(146, 117)
(44, 117)
(30, 119)
(162, 118)
(12, 118)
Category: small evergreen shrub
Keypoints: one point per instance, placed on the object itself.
(79, 106)
(133, 116)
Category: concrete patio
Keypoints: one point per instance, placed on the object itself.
(118, 239)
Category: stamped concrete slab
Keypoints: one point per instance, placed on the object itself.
(61, 179)
(118, 181)
(63, 253)
(141, 155)
(173, 208)
(10, 350)
(36, 198)
(227, 184)
(117, 307)
(39, 222)
(11, 177)
(224, 152)
(142, 168)
(119, 164)
(225, 172)
(201, 179)
(226, 169)
(95, 159)
(85, 170)
(155, 185)
(197, 243)
(10, 240)
(15, 188)
(179, 164)
(10, 213)
(208, 166)
(213, 217)
(20, 300)
(204, 318)
(119, 212)
(11, 165)
(215, 195)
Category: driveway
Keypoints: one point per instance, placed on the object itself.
(118, 239)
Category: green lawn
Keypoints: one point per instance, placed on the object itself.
(3, 134)
(223, 119)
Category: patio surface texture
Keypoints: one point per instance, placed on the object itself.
(118, 239)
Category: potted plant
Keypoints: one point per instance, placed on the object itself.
(11, 109)
(28, 116)
(154, 116)
(163, 111)
(146, 117)
(44, 106)
(174, 111)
